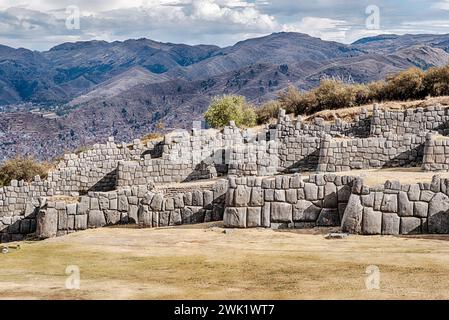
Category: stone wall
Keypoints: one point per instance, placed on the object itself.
(286, 201)
(393, 208)
(366, 153)
(136, 205)
(436, 153)
(410, 121)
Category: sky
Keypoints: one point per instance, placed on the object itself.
(41, 24)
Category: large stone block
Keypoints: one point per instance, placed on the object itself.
(390, 203)
(311, 191)
(47, 223)
(123, 205)
(241, 196)
(254, 217)
(281, 212)
(112, 217)
(352, 218)
(438, 216)
(145, 216)
(81, 222)
(133, 214)
(235, 217)
(372, 221)
(175, 218)
(390, 223)
(328, 218)
(305, 210)
(256, 197)
(420, 209)
(410, 225)
(96, 219)
(405, 206)
(266, 215)
(156, 202)
(330, 196)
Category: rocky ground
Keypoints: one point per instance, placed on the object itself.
(205, 262)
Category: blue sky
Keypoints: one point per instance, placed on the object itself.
(41, 24)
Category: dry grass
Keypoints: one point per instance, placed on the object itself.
(204, 263)
(348, 114)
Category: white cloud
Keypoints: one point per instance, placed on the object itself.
(324, 28)
(168, 20)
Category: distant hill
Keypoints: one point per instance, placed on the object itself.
(125, 88)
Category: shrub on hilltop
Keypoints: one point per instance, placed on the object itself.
(228, 108)
(22, 168)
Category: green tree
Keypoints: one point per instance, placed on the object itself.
(228, 108)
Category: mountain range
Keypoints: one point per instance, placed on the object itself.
(99, 89)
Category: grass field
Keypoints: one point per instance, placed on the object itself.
(202, 262)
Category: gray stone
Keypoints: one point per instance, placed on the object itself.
(311, 191)
(305, 210)
(81, 222)
(112, 217)
(352, 218)
(405, 206)
(343, 193)
(414, 192)
(241, 196)
(269, 195)
(291, 196)
(169, 204)
(410, 225)
(47, 223)
(426, 195)
(279, 195)
(256, 197)
(372, 221)
(123, 203)
(96, 219)
(71, 209)
(390, 223)
(438, 215)
(208, 198)
(330, 196)
(145, 216)
(175, 218)
(420, 209)
(368, 199)
(156, 202)
(235, 218)
(389, 203)
(197, 198)
(254, 217)
(133, 215)
(281, 212)
(266, 215)
(328, 218)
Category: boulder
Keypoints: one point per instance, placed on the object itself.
(47, 223)
(328, 218)
(254, 217)
(372, 221)
(241, 196)
(305, 210)
(112, 217)
(410, 225)
(235, 218)
(281, 212)
(390, 203)
(390, 223)
(405, 206)
(96, 219)
(352, 218)
(438, 216)
(420, 209)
